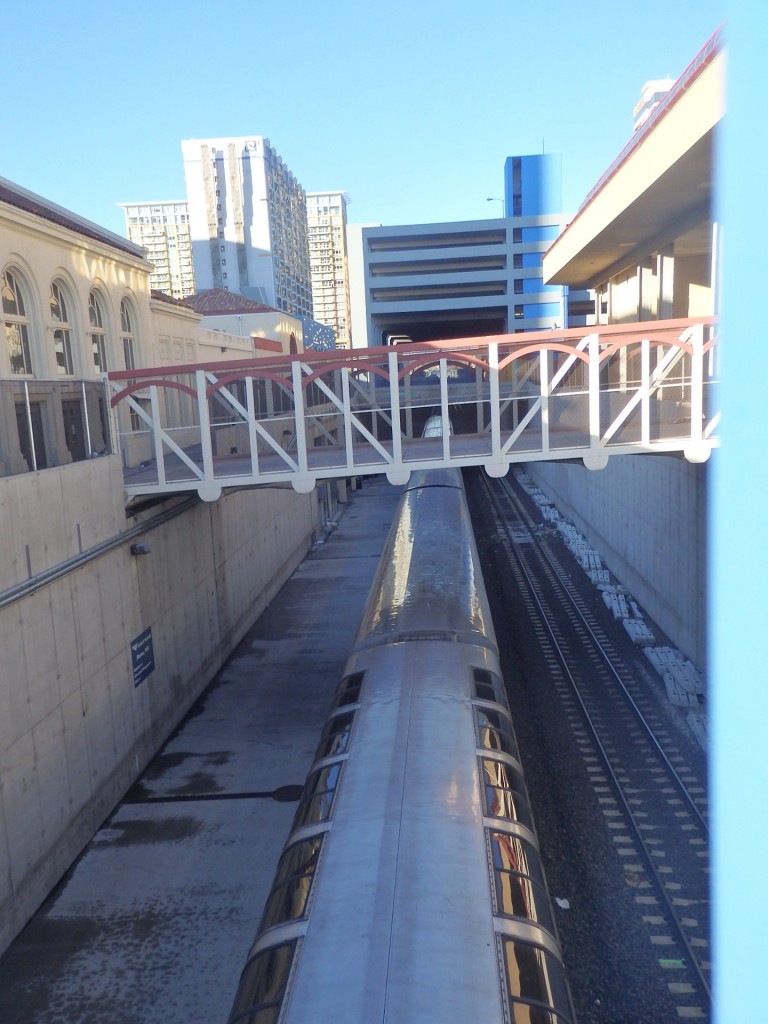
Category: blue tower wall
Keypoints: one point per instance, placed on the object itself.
(533, 185)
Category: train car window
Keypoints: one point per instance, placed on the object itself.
(293, 882)
(504, 792)
(518, 880)
(484, 685)
(513, 853)
(495, 733)
(317, 799)
(262, 986)
(349, 689)
(335, 737)
(536, 985)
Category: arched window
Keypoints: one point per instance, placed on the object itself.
(16, 323)
(98, 333)
(127, 335)
(62, 330)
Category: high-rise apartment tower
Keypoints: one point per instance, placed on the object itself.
(162, 228)
(329, 263)
(248, 219)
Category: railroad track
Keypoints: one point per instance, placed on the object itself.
(654, 808)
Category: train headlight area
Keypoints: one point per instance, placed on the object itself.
(411, 886)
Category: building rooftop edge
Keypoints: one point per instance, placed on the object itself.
(703, 58)
(155, 202)
(218, 138)
(30, 202)
(479, 223)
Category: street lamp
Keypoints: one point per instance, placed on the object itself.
(497, 199)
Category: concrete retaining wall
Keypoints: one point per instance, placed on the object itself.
(646, 515)
(74, 729)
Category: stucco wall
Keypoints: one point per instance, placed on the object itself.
(646, 515)
(74, 729)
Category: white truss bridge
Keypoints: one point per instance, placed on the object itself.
(551, 395)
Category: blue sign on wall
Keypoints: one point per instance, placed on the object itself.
(142, 656)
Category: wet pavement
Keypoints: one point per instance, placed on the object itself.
(154, 921)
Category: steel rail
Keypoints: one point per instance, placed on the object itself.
(608, 661)
(694, 960)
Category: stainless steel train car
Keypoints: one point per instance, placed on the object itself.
(411, 888)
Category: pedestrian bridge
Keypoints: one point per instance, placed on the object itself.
(585, 394)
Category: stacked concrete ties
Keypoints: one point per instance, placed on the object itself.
(155, 920)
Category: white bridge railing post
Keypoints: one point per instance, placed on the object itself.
(444, 410)
(157, 435)
(697, 383)
(494, 395)
(597, 457)
(645, 391)
(594, 392)
(394, 405)
(544, 391)
(206, 438)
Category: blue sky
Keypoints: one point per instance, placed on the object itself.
(410, 107)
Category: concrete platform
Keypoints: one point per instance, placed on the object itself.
(154, 922)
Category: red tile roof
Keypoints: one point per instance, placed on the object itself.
(215, 301)
(164, 297)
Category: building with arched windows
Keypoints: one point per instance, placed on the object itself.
(113, 617)
(75, 303)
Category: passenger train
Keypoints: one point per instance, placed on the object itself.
(411, 888)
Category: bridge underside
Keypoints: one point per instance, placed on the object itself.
(509, 399)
